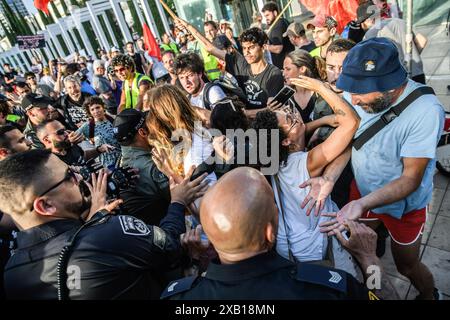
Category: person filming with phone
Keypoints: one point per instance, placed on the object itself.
(70, 247)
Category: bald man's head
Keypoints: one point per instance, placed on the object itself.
(239, 213)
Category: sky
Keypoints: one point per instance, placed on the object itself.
(30, 6)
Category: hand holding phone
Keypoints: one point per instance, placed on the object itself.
(284, 95)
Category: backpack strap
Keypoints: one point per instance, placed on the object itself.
(389, 116)
(206, 102)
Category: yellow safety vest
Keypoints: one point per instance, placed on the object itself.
(170, 47)
(211, 65)
(132, 96)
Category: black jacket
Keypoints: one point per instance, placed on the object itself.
(119, 257)
(267, 276)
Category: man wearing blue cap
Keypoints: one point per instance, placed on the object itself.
(393, 163)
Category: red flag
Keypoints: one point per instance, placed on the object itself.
(343, 11)
(150, 42)
(42, 5)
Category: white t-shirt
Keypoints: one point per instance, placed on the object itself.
(306, 241)
(215, 94)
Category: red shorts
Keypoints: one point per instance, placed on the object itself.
(404, 231)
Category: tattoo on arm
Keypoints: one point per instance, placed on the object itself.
(340, 112)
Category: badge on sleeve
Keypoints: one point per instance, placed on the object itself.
(133, 226)
(159, 237)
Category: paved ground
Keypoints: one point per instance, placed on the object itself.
(435, 250)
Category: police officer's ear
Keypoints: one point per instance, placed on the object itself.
(271, 234)
(143, 132)
(3, 153)
(44, 206)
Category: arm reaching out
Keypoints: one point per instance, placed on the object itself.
(346, 117)
(183, 25)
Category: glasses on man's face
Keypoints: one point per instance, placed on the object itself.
(60, 132)
(31, 78)
(294, 119)
(69, 175)
(120, 70)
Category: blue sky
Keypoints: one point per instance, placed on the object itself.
(30, 6)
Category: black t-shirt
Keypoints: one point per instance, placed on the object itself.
(305, 113)
(137, 57)
(308, 47)
(276, 38)
(10, 75)
(73, 157)
(258, 88)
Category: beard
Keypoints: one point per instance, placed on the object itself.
(62, 145)
(85, 204)
(379, 104)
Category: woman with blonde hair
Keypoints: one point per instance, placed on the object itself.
(175, 130)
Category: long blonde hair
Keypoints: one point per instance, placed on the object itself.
(171, 114)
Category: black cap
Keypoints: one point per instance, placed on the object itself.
(365, 11)
(32, 100)
(127, 124)
(222, 42)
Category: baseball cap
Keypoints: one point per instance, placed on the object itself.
(115, 49)
(127, 124)
(222, 42)
(322, 21)
(32, 100)
(372, 66)
(365, 11)
(294, 29)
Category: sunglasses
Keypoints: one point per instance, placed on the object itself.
(120, 70)
(69, 175)
(60, 132)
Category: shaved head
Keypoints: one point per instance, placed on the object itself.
(239, 214)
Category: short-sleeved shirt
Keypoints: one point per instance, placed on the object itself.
(104, 134)
(395, 30)
(258, 88)
(276, 38)
(215, 93)
(414, 134)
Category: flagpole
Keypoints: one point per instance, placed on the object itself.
(175, 17)
(279, 16)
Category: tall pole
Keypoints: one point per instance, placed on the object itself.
(409, 35)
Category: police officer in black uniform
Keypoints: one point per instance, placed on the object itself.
(240, 218)
(58, 255)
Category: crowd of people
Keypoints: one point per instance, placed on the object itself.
(128, 177)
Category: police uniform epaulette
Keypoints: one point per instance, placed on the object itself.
(178, 286)
(317, 274)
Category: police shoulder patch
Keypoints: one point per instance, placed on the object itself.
(133, 226)
(320, 275)
(159, 237)
(178, 286)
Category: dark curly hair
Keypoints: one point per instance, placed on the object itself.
(224, 117)
(340, 45)
(255, 36)
(268, 120)
(124, 61)
(189, 61)
(90, 101)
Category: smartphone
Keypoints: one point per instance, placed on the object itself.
(284, 95)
